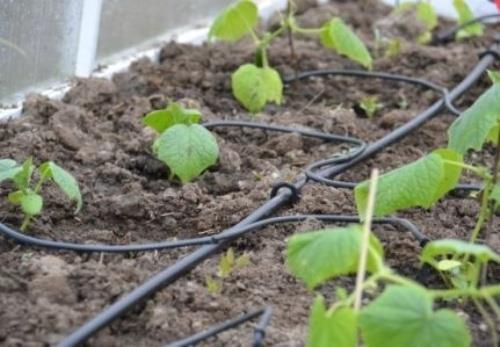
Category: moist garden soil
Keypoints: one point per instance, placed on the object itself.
(96, 133)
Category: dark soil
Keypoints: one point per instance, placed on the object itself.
(96, 133)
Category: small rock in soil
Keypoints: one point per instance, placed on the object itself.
(229, 160)
(53, 287)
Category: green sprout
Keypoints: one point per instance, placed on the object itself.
(370, 105)
(228, 264)
(28, 195)
(254, 85)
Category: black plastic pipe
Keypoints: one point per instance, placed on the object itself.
(185, 264)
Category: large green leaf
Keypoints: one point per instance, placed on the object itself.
(31, 203)
(447, 247)
(404, 316)
(338, 329)
(8, 169)
(318, 256)
(253, 87)
(474, 126)
(161, 120)
(420, 183)
(64, 180)
(235, 21)
(466, 15)
(187, 150)
(337, 35)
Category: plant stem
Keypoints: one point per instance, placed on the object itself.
(293, 57)
(360, 277)
(493, 304)
(489, 321)
(483, 211)
(478, 171)
(488, 291)
(494, 180)
(309, 31)
(26, 222)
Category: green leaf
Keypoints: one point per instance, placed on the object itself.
(226, 263)
(161, 120)
(495, 196)
(420, 183)
(64, 180)
(318, 256)
(448, 264)
(466, 15)
(253, 87)
(22, 178)
(338, 328)
(235, 21)
(494, 76)
(337, 35)
(8, 169)
(187, 150)
(16, 197)
(404, 316)
(31, 203)
(472, 128)
(427, 15)
(451, 247)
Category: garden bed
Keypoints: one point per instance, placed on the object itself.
(96, 133)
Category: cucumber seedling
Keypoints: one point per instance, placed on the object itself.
(186, 147)
(254, 85)
(228, 264)
(370, 105)
(422, 183)
(397, 310)
(28, 195)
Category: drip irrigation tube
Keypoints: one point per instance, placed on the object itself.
(185, 264)
(21, 237)
(259, 331)
(378, 75)
(449, 33)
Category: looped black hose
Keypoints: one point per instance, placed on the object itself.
(22, 238)
(449, 34)
(379, 75)
(492, 52)
(173, 272)
(214, 330)
(293, 190)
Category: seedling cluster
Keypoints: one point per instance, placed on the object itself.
(254, 85)
(28, 195)
(401, 311)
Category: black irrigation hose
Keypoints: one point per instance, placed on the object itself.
(22, 238)
(378, 75)
(185, 264)
(259, 332)
(449, 33)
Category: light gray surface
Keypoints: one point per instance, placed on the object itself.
(47, 31)
(127, 23)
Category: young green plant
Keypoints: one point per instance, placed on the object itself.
(370, 105)
(399, 311)
(254, 85)
(28, 195)
(228, 264)
(425, 181)
(185, 146)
